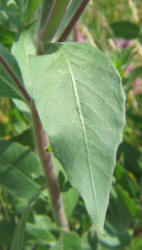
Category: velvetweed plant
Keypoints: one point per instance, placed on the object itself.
(76, 102)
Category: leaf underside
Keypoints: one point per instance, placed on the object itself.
(80, 100)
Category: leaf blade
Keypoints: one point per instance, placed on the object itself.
(83, 112)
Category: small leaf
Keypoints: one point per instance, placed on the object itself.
(80, 100)
(70, 199)
(17, 168)
(125, 29)
(26, 138)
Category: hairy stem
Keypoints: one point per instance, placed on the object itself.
(42, 142)
(73, 21)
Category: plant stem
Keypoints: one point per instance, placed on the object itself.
(42, 142)
(73, 21)
(16, 80)
(52, 23)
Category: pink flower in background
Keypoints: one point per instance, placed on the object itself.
(78, 35)
(137, 89)
(128, 69)
(123, 43)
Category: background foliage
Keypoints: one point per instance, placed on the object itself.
(116, 29)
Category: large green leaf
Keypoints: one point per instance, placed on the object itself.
(18, 166)
(8, 88)
(68, 241)
(80, 100)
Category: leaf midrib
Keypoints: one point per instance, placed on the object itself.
(77, 100)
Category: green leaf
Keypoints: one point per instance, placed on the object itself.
(70, 199)
(134, 210)
(31, 11)
(18, 167)
(26, 138)
(8, 88)
(6, 233)
(22, 106)
(121, 58)
(132, 156)
(136, 244)
(6, 36)
(21, 49)
(116, 232)
(68, 241)
(80, 100)
(110, 240)
(127, 180)
(125, 29)
(40, 231)
(18, 238)
(118, 215)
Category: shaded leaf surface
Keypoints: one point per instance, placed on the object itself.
(80, 100)
(6, 233)
(17, 166)
(18, 238)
